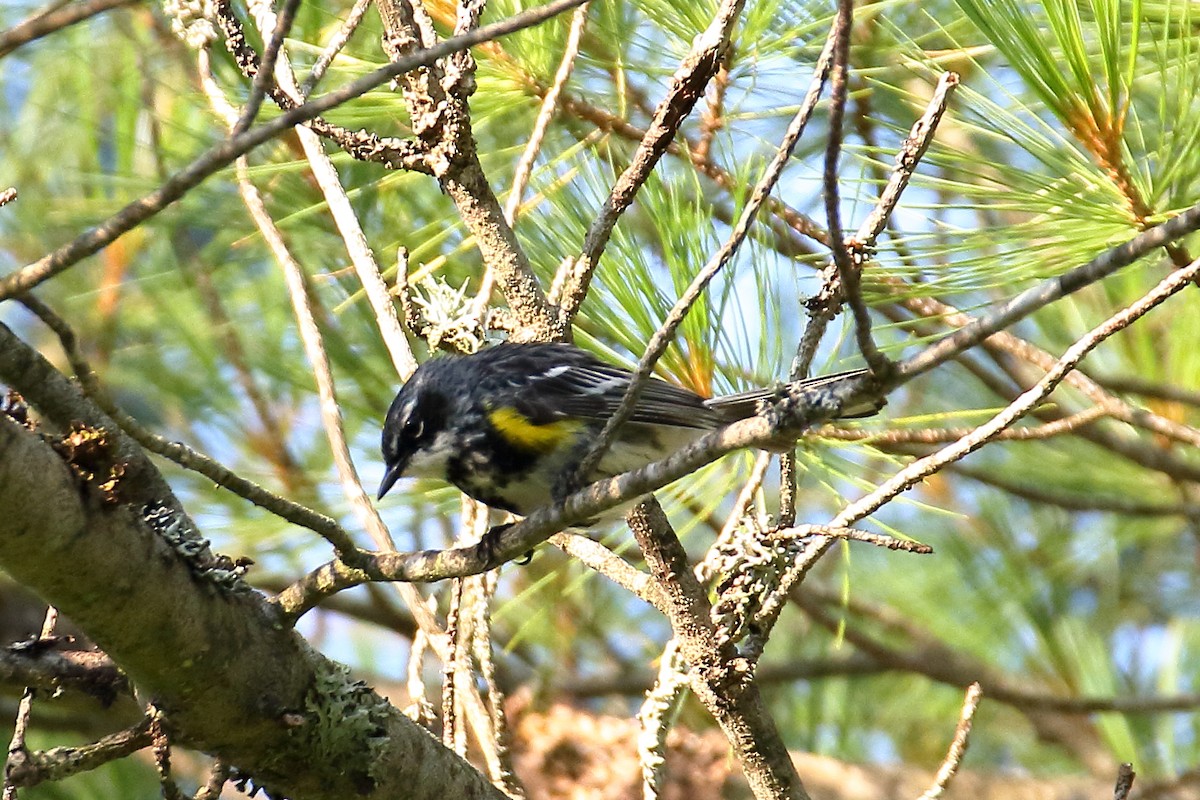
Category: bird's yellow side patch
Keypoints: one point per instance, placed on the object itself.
(519, 431)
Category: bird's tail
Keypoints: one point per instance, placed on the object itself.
(745, 404)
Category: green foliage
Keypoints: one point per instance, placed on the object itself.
(1075, 125)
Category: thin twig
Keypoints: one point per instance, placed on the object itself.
(545, 115)
(339, 40)
(340, 208)
(958, 747)
(25, 710)
(788, 420)
(922, 468)
(663, 337)
(62, 762)
(824, 306)
(1048, 430)
(1077, 502)
(1131, 384)
(853, 534)
(499, 759)
(1047, 292)
(593, 554)
(687, 85)
(712, 118)
(656, 716)
(745, 498)
(181, 454)
(848, 269)
(54, 19)
(217, 157)
(228, 335)
(1124, 785)
(607, 122)
(633, 682)
(524, 168)
(266, 67)
(452, 668)
(910, 153)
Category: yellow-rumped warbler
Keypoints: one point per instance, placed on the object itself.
(505, 423)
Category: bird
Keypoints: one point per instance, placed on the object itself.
(506, 424)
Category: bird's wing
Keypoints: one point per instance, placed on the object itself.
(571, 382)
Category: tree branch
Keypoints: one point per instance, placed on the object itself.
(47, 22)
(214, 159)
(277, 708)
(687, 86)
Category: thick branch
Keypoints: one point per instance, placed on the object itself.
(280, 711)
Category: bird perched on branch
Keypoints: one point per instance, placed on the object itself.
(506, 424)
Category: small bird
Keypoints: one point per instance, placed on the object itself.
(506, 423)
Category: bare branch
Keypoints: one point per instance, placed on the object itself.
(63, 762)
(183, 455)
(524, 168)
(958, 747)
(57, 17)
(848, 267)
(853, 534)
(687, 86)
(911, 151)
(90, 672)
(16, 748)
(721, 679)
(266, 68)
(595, 555)
(436, 98)
(1047, 292)
(219, 156)
(666, 333)
(339, 40)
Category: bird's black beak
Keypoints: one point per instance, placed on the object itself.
(393, 474)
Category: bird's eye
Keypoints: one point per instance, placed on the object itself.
(414, 427)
